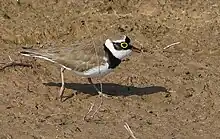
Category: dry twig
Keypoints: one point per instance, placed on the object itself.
(129, 130)
(101, 102)
(13, 63)
(171, 45)
(91, 108)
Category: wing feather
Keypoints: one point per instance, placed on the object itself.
(78, 57)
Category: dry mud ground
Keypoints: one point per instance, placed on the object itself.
(29, 108)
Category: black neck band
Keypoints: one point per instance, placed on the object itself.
(112, 60)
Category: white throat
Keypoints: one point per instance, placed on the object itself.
(120, 54)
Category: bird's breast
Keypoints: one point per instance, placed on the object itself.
(97, 71)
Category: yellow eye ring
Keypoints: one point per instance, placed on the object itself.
(124, 45)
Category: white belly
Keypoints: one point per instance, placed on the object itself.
(96, 71)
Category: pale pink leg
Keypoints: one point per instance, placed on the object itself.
(62, 85)
(100, 93)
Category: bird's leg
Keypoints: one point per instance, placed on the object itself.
(100, 93)
(62, 88)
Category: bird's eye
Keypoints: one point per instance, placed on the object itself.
(124, 45)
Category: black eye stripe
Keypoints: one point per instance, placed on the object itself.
(123, 45)
(117, 46)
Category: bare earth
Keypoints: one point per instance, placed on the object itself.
(168, 93)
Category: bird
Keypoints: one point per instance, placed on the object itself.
(88, 58)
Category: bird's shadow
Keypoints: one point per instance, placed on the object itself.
(112, 89)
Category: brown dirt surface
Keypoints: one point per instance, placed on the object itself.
(168, 93)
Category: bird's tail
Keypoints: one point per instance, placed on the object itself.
(33, 53)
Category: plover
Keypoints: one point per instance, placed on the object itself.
(85, 59)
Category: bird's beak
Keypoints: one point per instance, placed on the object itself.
(136, 49)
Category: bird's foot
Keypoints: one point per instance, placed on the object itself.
(103, 95)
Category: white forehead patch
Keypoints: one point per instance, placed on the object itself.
(118, 41)
(120, 54)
